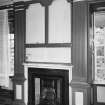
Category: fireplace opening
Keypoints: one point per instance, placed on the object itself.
(48, 86)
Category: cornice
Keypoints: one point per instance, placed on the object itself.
(88, 0)
(25, 4)
(19, 5)
(42, 2)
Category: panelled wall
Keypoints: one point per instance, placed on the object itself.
(88, 74)
(52, 43)
(81, 74)
(42, 31)
(42, 36)
(84, 90)
(48, 32)
(18, 79)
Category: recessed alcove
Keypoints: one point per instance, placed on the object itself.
(47, 77)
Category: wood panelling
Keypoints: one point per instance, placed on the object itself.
(81, 52)
(18, 79)
(19, 39)
(86, 90)
(96, 95)
(79, 41)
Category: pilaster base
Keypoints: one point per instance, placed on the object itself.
(18, 102)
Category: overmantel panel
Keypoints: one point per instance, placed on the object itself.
(60, 22)
(35, 24)
(46, 4)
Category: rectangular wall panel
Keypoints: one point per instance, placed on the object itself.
(35, 24)
(78, 98)
(18, 92)
(57, 55)
(100, 94)
(60, 22)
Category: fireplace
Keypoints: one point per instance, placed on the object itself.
(44, 80)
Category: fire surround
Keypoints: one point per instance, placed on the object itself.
(45, 66)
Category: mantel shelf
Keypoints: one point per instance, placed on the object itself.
(47, 65)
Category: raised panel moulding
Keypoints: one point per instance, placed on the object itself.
(100, 94)
(54, 55)
(60, 22)
(35, 24)
(18, 92)
(78, 98)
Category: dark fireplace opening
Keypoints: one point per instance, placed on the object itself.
(48, 86)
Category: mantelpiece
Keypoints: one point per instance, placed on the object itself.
(45, 66)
